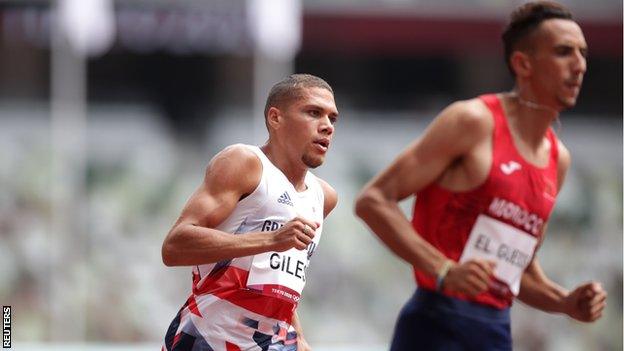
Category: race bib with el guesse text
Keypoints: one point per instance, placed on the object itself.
(511, 249)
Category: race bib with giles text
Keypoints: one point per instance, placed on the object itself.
(282, 274)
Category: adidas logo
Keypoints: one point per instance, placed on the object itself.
(285, 199)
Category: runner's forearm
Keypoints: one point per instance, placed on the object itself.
(189, 245)
(385, 218)
(537, 291)
(297, 325)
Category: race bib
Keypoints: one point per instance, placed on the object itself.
(279, 274)
(511, 249)
(282, 274)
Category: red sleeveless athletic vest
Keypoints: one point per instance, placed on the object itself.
(515, 193)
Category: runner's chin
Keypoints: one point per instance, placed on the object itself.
(568, 101)
(312, 161)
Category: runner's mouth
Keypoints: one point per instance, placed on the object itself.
(322, 142)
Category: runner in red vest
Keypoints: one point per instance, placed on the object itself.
(486, 174)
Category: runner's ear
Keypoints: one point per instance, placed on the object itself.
(274, 118)
(521, 64)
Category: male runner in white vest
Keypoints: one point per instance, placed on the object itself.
(250, 229)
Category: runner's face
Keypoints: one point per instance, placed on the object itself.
(559, 62)
(309, 125)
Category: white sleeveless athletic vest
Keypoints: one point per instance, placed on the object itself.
(273, 203)
(238, 298)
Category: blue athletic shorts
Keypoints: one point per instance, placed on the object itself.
(431, 321)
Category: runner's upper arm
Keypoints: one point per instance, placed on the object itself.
(233, 173)
(450, 136)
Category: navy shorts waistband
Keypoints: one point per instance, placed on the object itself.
(434, 301)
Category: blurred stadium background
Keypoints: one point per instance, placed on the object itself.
(110, 110)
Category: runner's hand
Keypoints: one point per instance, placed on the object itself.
(302, 344)
(471, 277)
(586, 302)
(297, 233)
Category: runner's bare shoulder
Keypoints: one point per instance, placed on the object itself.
(466, 121)
(473, 114)
(236, 167)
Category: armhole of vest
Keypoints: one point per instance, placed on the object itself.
(493, 104)
(319, 190)
(554, 154)
(321, 194)
(554, 141)
(256, 195)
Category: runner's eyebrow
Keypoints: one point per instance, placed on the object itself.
(332, 112)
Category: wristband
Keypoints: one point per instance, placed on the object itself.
(442, 274)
